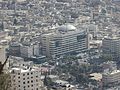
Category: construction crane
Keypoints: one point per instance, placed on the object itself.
(2, 65)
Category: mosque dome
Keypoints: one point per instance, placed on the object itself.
(67, 27)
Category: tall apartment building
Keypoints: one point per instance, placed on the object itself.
(111, 47)
(66, 39)
(25, 79)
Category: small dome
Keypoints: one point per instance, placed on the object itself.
(65, 28)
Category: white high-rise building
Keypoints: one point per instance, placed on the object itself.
(66, 39)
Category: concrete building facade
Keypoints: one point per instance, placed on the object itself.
(111, 77)
(26, 51)
(25, 79)
(111, 47)
(66, 39)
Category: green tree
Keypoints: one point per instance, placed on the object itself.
(107, 57)
(47, 81)
(5, 82)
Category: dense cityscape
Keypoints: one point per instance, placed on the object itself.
(59, 44)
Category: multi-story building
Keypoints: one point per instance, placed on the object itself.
(26, 51)
(25, 78)
(111, 77)
(111, 47)
(66, 39)
(14, 49)
(30, 50)
(36, 49)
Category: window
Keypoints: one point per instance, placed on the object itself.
(27, 73)
(27, 81)
(28, 86)
(19, 77)
(31, 81)
(36, 76)
(79, 37)
(24, 86)
(23, 82)
(19, 81)
(37, 84)
(23, 74)
(18, 73)
(23, 78)
(31, 72)
(57, 44)
(31, 77)
(27, 77)
(18, 85)
(36, 88)
(31, 85)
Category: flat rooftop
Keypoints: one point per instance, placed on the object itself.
(21, 70)
(112, 72)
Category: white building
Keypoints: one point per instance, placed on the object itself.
(36, 49)
(26, 51)
(30, 50)
(66, 39)
(111, 77)
(111, 47)
(25, 78)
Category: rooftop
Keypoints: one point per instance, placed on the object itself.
(112, 72)
(66, 28)
(115, 71)
(21, 70)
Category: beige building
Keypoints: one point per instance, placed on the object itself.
(25, 79)
(66, 39)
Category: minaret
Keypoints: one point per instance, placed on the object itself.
(15, 5)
